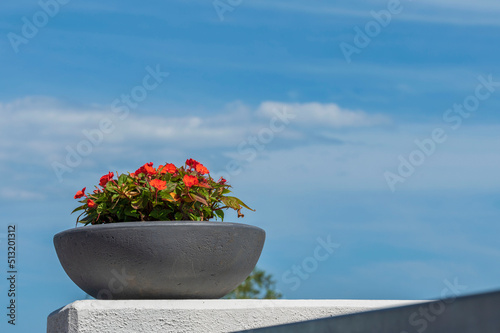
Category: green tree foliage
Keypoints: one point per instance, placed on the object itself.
(257, 285)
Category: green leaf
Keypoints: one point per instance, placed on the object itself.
(234, 203)
(132, 213)
(78, 208)
(243, 204)
(111, 187)
(230, 202)
(160, 213)
(170, 187)
(199, 199)
(194, 217)
(101, 208)
(220, 214)
(122, 179)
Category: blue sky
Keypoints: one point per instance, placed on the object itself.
(264, 95)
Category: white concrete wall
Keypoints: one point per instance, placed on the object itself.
(198, 315)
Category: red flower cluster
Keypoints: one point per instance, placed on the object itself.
(200, 168)
(146, 169)
(165, 193)
(190, 180)
(105, 179)
(158, 184)
(169, 167)
(192, 163)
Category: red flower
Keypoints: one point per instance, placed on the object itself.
(91, 203)
(80, 194)
(169, 167)
(146, 169)
(222, 181)
(192, 163)
(201, 169)
(138, 171)
(105, 179)
(159, 184)
(149, 168)
(190, 180)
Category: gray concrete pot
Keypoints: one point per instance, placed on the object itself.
(159, 260)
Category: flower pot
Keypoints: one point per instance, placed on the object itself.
(159, 260)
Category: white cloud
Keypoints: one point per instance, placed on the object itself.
(37, 132)
(44, 126)
(350, 143)
(317, 114)
(17, 194)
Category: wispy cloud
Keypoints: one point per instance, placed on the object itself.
(17, 194)
(442, 11)
(39, 132)
(33, 120)
(324, 115)
(358, 145)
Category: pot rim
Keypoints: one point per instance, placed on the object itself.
(150, 224)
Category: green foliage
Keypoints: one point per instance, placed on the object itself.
(257, 285)
(166, 193)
